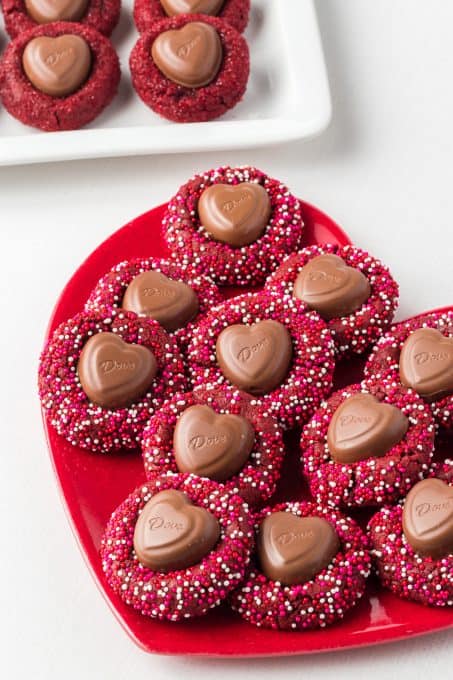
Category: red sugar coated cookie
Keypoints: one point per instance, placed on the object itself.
(384, 359)
(234, 12)
(187, 592)
(109, 291)
(310, 374)
(66, 405)
(32, 107)
(187, 104)
(316, 603)
(373, 481)
(256, 481)
(102, 15)
(356, 332)
(402, 570)
(249, 265)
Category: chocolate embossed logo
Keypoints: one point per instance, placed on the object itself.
(363, 427)
(294, 549)
(189, 56)
(171, 533)
(255, 358)
(328, 285)
(428, 518)
(46, 11)
(426, 363)
(211, 444)
(235, 214)
(113, 373)
(173, 7)
(172, 303)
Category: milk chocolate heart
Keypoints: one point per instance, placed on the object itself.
(189, 56)
(294, 549)
(428, 518)
(171, 533)
(45, 11)
(57, 66)
(237, 214)
(172, 303)
(255, 358)
(426, 363)
(328, 285)
(210, 444)
(173, 7)
(363, 427)
(113, 373)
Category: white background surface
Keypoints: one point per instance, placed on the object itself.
(383, 170)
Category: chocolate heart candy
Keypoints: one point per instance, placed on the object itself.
(57, 66)
(426, 363)
(428, 518)
(171, 533)
(173, 7)
(255, 358)
(189, 56)
(363, 427)
(237, 214)
(210, 444)
(328, 285)
(172, 303)
(113, 373)
(294, 549)
(45, 11)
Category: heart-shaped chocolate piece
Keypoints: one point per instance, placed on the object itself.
(211, 444)
(189, 56)
(171, 533)
(235, 214)
(113, 373)
(328, 285)
(428, 518)
(255, 358)
(294, 549)
(173, 7)
(172, 303)
(363, 427)
(426, 363)
(57, 66)
(45, 11)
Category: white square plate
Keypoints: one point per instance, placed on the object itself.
(287, 98)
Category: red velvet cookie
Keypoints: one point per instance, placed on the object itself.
(277, 232)
(352, 291)
(203, 68)
(21, 15)
(367, 445)
(96, 79)
(180, 593)
(245, 451)
(329, 548)
(142, 286)
(419, 352)
(234, 12)
(99, 393)
(264, 345)
(412, 543)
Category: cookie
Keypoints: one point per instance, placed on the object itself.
(419, 352)
(230, 200)
(216, 432)
(309, 570)
(367, 445)
(100, 378)
(263, 345)
(58, 76)
(234, 12)
(352, 291)
(190, 68)
(197, 536)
